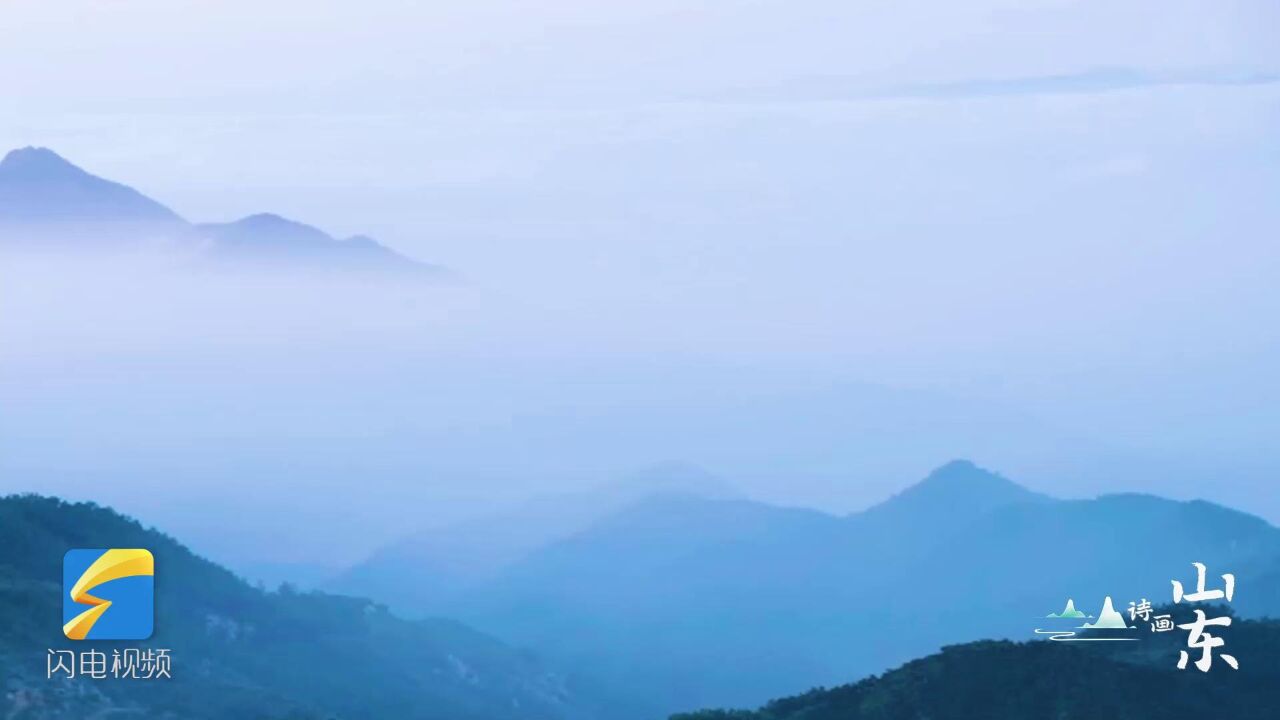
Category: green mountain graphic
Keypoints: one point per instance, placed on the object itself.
(1069, 611)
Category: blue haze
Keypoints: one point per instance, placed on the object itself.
(816, 248)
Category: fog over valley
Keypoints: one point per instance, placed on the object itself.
(842, 249)
(639, 360)
(356, 405)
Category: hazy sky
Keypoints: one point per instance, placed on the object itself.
(818, 247)
(377, 114)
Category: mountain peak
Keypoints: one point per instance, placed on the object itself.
(967, 476)
(46, 201)
(268, 232)
(272, 238)
(678, 478)
(960, 486)
(32, 162)
(266, 219)
(38, 186)
(964, 471)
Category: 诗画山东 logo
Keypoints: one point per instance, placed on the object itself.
(108, 594)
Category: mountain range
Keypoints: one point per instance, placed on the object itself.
(692, 601)
(47, 203)
(679, 600)
(444, 563)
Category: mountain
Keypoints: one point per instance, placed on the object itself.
(47, 202)
(271, 240)
(756, 601)
(957, 486)
(676, 599)
(43, 196)
(1000, 680)
(430, 570)
(947, 501)
(239, 652)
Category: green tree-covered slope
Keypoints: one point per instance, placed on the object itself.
(1044, 680)
(239, 652)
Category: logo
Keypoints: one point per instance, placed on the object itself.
(1110, 625)
(108, 594)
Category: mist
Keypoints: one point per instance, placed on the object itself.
(351, 412)
(817, 271)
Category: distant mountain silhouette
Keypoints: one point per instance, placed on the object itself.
(757, 601)
(239, 652)
(671, 478)
(44, 195)
(47, 202)
(426, 572)
(1043, 679)
(953, 491)
(272, 239)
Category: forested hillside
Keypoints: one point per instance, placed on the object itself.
(1001, 680)
(239, 652)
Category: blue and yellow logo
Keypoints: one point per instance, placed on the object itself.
(108, 594)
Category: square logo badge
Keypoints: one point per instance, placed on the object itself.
(108, 594)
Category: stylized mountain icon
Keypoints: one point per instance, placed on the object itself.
(1108, 619)
(1069, 611)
